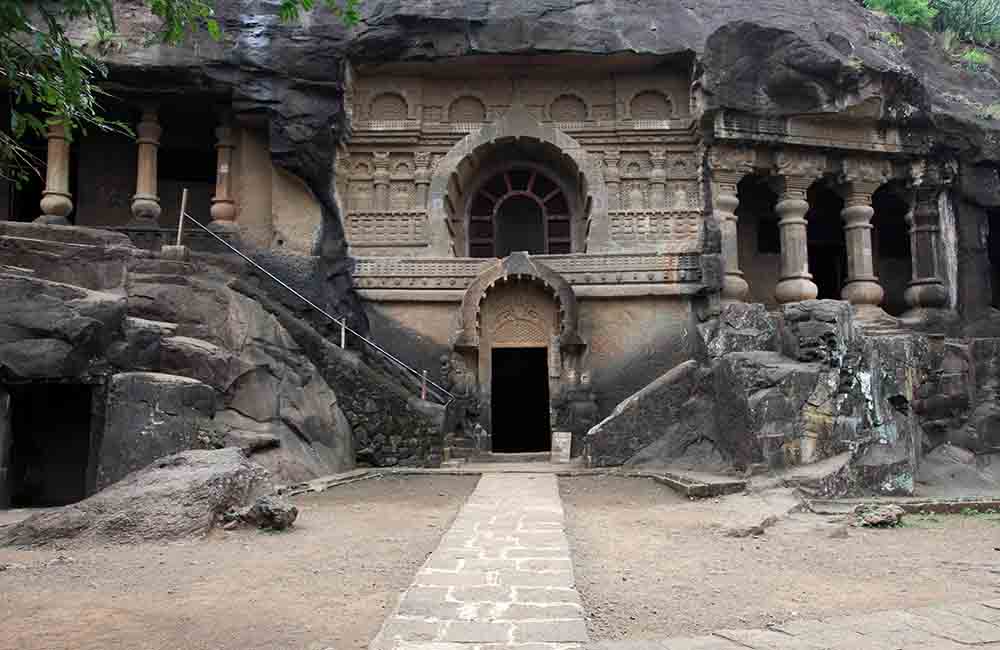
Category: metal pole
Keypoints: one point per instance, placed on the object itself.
(368, 342)
(343, 333)
(423, 387)
(180, 219)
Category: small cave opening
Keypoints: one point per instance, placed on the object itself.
(993, 252)
(827, 246)
(45, 444)
(520, 400)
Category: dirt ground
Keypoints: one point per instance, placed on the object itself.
(326, 584)
(651, 564)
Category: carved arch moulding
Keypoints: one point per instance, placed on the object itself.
(515, 126)
(522, 267)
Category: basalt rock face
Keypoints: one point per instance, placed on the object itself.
(822, 389)
(764, 58)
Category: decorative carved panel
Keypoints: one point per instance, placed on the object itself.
(387, 229)
(518, 314)
(655, 226)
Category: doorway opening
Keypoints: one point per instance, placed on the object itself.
(48, 446)
(827, 247)
(520, 400)
(993, 253)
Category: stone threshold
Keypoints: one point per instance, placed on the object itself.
(694, 485)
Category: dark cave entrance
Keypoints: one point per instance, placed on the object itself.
(827, 247)
(993, 252)
(520, 400)
(45, 444)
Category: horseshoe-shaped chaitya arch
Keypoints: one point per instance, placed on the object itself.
(522, 267)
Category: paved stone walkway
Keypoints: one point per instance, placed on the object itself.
(950, 627)
(502, 576)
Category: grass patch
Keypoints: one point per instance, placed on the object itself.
(975, 60)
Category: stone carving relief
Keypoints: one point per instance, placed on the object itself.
(518, 314)
(387, 229)
(654, 226)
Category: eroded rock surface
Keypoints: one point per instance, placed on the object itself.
(177, 496)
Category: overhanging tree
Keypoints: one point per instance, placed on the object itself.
(49, 77)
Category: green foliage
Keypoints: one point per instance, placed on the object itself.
(890, 38)
(50, 78)
(977, 21)
(991, 112)
(909, 12)
(975, 60)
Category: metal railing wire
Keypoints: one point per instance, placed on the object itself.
(427, 385)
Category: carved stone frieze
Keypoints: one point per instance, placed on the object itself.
(652, 226)
(577, 269)
(800, 163)
(387, 228)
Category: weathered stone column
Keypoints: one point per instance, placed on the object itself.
(146, 202)
(728, 167)
(798, 171)
(223, 209)
(381, 180)
(861, 177)
(926, 290)
(612, 178)
(658, 179)
(422, 177)
(56, 202)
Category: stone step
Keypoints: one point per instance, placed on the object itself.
(527, 457)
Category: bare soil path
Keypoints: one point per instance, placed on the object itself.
(328, 584)
(650, 564)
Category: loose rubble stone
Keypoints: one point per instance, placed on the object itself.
(879, 516)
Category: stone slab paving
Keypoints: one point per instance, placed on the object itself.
(949, 627)
(501, 576)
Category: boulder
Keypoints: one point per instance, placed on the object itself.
(49, 329)
(879, 516)
(270, 513)
(149, 415)
(178, 496)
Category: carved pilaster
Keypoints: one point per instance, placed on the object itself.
(422, 177)
(56, 202)
(926, 290)
(612, 178)
(381, 178)
(728, 166)
(658, 179)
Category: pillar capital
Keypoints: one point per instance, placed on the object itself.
(864, 171)
(799, 169)
(732, 159)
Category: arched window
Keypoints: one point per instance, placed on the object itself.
(651, 105)
(519, 210)
(389, 106)
(467, 109)
(568, 108)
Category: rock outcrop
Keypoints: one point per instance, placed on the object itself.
(177, 496)
(772, 391)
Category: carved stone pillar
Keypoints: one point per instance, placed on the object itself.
(381, 178)
(798, 170)
(56, 202)
(861, 177)
(658, 180)
(223, 209)
(422, 177)
(146, 202)
(926, 290)
(728, 167)
(612, 178)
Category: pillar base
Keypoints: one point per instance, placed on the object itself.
(795, 289)
(871, 313)
(863, 292)
(175, 253)
(734, 288)
(53, 220)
